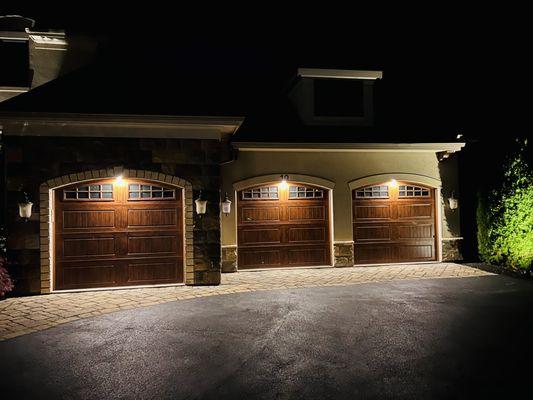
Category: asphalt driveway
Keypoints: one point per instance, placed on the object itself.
(433, 338)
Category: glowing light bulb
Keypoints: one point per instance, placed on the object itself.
(119, 181)
(393, 183)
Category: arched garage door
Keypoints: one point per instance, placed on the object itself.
(394, 222)
(283, 226)
(118, 234)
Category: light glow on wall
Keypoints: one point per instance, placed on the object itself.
(393, 183)
(119, 181)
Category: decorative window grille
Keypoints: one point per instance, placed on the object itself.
(302, 192)
(373, 192)
(90, 192)
(137, 191)
(261, 193)
(412, 191)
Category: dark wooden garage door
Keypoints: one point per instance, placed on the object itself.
(394, 223)
(108, 234)
(283, 226)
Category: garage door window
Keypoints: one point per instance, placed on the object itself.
(373, 192)
(90, 192)
(261, 193)
(412, 191)
(302, 192)
(149, 192)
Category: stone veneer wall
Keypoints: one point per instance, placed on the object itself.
(229, 259)
(343, 253)
(37, 162)
(451, 250)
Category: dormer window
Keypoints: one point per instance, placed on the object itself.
(330, 97)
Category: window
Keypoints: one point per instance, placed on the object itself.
(137, 191)
(90, 192)
(412, 191)
(339, 98)
(266, 192)
(374, 192)
(302, 192)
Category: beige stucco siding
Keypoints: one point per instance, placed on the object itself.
(341, 168)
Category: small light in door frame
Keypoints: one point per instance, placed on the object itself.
(119, 181)
(283, 184)
(393, 183)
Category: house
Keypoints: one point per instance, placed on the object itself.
(314, 177)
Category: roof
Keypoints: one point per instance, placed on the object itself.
(196, 83)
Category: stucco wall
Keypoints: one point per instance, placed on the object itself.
(341, 168)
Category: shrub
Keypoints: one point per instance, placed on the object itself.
(505, 216)
(6, 284)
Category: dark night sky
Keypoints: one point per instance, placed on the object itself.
(467, 69)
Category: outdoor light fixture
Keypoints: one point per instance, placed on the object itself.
(393, 183)
(453, 202)
(119, 181)
(284, 179)
(201, 204)
(25, 208)
(226, 204)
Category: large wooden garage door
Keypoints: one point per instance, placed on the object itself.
(394, 223)
(109, 234)
(283, 226)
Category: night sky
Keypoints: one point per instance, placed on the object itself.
(455, 68)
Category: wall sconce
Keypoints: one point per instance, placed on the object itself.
(284, 179)
(201, 204)
(453, 202)
(226, 204)
(25, 208)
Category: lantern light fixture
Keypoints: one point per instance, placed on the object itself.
(393, 183)
(119, 180)
(25, 207)
(201, 204)
(453, 202)
(226, 204)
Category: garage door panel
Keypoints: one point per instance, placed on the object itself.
(372, 212)
(254, 236)
(307, 234)
(152, 218)
(153, 245)
(424, 210)
(374, 252)
(260, 214)
(307, 213)
(155, 271)
(259, 258)
(88, 219)
(307, 256)
(373, 232)
(76, 275)
(416, 252)
(89, 247)
(418, 231)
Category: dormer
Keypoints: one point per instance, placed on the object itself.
(334, 97)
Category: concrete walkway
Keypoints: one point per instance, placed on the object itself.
(23, 315)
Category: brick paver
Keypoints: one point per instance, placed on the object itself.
(22, 315)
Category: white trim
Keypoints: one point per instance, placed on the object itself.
(452, 238)
(263, 179)
(344, 242)
(117, 288)
(350, 147)
(339, 73)
(398, 263)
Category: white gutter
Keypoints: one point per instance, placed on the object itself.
(349, 147)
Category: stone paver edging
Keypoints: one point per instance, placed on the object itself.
(22, 315)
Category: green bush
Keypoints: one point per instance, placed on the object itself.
(505, 216)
